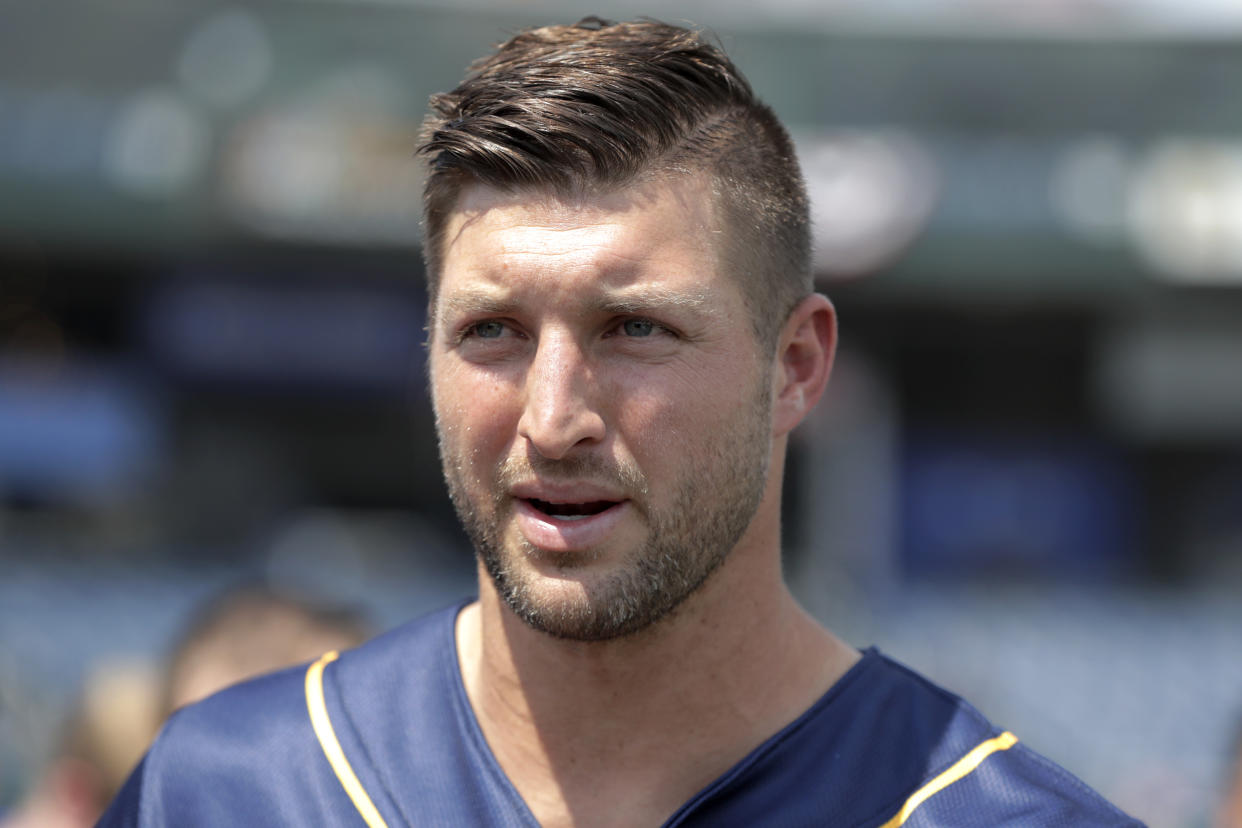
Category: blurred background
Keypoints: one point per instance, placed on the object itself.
(1026, 480)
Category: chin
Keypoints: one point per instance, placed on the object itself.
(593, 603)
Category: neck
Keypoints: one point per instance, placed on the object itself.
(636, 726)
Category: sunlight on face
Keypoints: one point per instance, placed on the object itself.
(602, 407)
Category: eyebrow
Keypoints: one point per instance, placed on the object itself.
(474, 302)
(650, 299)
(639, 300)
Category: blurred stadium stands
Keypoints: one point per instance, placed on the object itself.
(1027, 479)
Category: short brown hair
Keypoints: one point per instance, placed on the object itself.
(597, 105)
(248, 630)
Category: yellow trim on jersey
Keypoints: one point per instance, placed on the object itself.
(959, 769)
(332, 748)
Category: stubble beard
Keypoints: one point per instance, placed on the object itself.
(715, 498)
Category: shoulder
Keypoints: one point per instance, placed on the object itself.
(1007, 783)
(885, 747)
(249, 750)
(259, 752)
(979, 775)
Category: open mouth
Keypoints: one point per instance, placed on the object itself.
(568, 522)
(571, 511)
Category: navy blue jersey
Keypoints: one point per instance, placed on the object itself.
(384, 736)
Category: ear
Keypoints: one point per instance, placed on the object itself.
(808, 342)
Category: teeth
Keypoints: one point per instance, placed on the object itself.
(570, 517)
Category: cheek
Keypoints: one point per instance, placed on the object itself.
(475, 415)
(683, 395)
(664, 423)
(657, 426)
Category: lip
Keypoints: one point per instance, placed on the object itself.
(559, 535)
(564, 492)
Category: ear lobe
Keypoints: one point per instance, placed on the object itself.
(808, 343)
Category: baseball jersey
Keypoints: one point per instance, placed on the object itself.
(384, 735)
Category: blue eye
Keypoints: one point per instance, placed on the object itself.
(491, 329)
(638, 327)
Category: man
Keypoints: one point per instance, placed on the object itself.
(622, 335)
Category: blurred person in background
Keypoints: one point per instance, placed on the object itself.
(247, 631)
(623, 332)
(1229, 813)
(111, 724)
(241, 633)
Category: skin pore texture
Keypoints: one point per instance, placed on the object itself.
(613, 438)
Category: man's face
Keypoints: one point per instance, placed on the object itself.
(602, 406)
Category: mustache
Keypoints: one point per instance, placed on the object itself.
(611, 473)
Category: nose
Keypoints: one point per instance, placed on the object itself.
(560, 413)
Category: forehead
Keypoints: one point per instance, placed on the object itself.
(664, 230)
